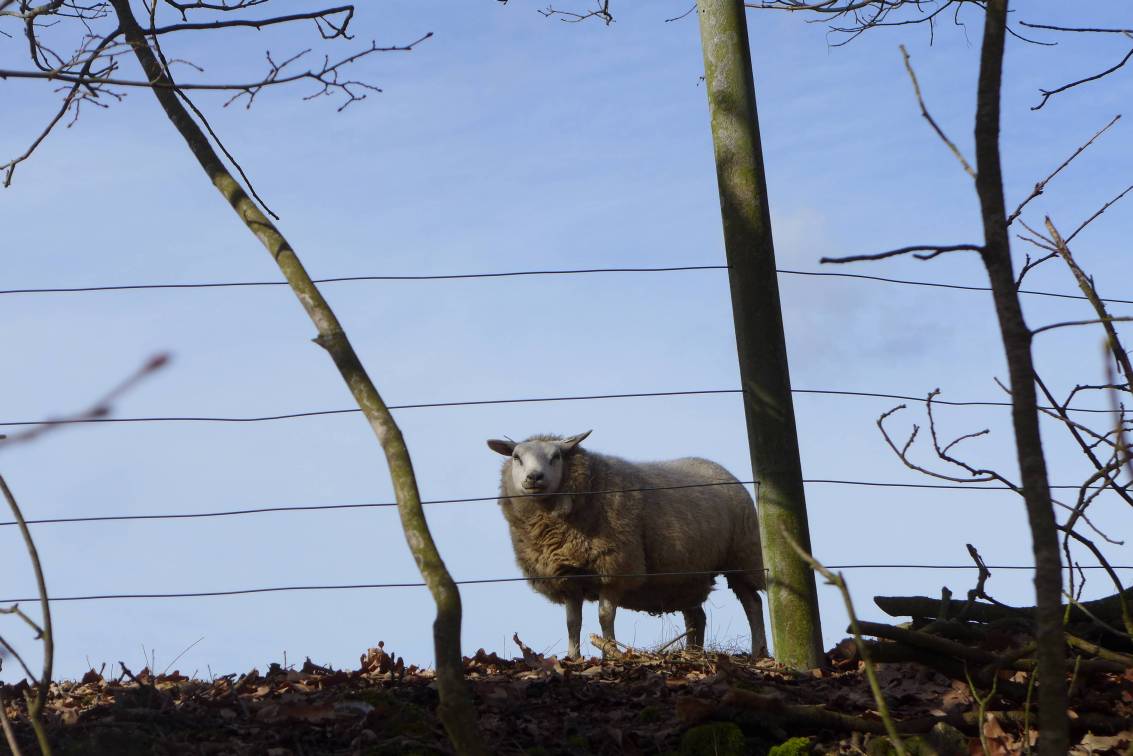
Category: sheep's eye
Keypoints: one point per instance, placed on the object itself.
(516, 458)
(555, 459)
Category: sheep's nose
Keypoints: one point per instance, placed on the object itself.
(535, 477)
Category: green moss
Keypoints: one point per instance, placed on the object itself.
(393, 717)
(715, 739)
(126, 743)
(398, 749)
(651, 713)
(792, 747)
(373, 696)
(882, 746)
(945, 740)
(578, 743)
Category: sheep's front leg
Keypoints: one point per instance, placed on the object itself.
(607, 608)
(574, 626)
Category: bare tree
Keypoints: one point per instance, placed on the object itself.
(1033, 486)
(109, 30)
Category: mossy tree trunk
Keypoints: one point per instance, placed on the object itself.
(456, 710)
(764, 373)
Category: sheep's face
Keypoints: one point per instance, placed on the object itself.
(536, 465)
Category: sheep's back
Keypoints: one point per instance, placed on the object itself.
(707, 529)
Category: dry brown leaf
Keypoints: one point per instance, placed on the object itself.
(999, 741)
(1103, 745)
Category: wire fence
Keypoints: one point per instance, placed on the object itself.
(497, 497)
(519, 579)
(523, 273)
(527, 400)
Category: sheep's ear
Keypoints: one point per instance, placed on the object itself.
(499, 446)
(568, 444)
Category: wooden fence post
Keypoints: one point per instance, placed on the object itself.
(768, 408)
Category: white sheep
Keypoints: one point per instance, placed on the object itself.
(654, 550)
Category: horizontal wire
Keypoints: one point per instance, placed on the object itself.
(938, 285)
(526, 400)
(345, 279)
(372, 505)
(475, 499)
(486, 581)
(353, 410)
(518, 273)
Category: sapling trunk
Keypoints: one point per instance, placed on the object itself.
(456, 711)
(1051, 656)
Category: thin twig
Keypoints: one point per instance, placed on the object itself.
(98, 410)
(9, 734)
(35, 704)
(1101, 210)
(838, 581)
(1041, 185)
(931, 121)
(1048, 93)
(920, 251)
(682, 636)
(1075, 323)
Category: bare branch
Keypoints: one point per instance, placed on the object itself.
(1075, 28)
(920, 251)
(686, 14)
(984, 476)
(35, 704)
(338, 29)
(1126, 618)
(601, 12)
(101, 408)
(1059, 412)
(325, 75)
(1093, 217)
(15, 655)
(9, 733)
(17, 611)
(932, 122)
(839, 582)
(1075, 323)
(824, 6)
(74, 95)
(1087, 287)
(1040, 186)
(1048, 93)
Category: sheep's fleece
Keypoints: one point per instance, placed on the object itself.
(634, 539)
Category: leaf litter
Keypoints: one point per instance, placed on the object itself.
(633, 702)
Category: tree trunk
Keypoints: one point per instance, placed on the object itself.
(456, 710)
(1054, 737)
(764, 374)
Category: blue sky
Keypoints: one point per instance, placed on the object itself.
(509, 141)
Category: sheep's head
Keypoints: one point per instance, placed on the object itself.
(536, 465)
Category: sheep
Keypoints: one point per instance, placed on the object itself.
(635, 540)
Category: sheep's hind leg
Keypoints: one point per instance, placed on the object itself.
(574, 626)
(694, 626)
(607, 608)
(753, 608)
